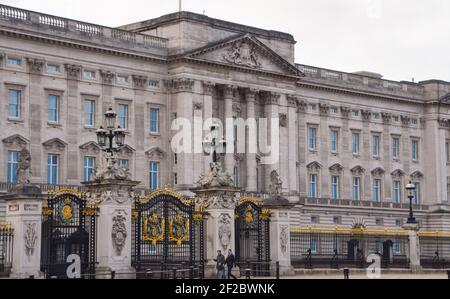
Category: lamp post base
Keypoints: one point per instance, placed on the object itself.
(412, 220)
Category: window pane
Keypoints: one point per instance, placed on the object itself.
(89, 165)
(312, 138)
(154, 115)
(154, 175)
(123, 116)
(53, 103)
(14, 103)
(89, 112)
(52, 169)
(13, 162)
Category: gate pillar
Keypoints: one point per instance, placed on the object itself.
(219, 203)
(114, 199)
(24, 214)
(414, 246)
(280, 239)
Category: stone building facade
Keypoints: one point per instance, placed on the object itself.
(349, 142)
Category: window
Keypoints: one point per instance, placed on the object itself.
(376, 193)
(447, 151)
(337, 220)
(14, 98)
(123, 116)
(355, 143)
(376, 115)
(53, 108)
(236, 176)
(334, 140)
(123, 163)
(313, 244)
(377, 246)
(52, 68)
(396, 118)
(416, 193)
(14, 61)
(378, 221)
(52, 169)
(89, 166)
(356, 188)
(122, 79)
(154, 121)
(398, 222)
(314, 219)
(414, 121)
(355, 113)
(397, 247)
(375, 145)
(13, 163)
(415, 149)
(175, 178)
(334, 109)
(396, 191)
(335, 187)
(312, 186)
(154, 175)
(395, 147)
(88, 74)
(312, 138)
(312, 107)
(153, 84)
(89, 113)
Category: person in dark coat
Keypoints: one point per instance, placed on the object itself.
(230, 263)
(220, 265)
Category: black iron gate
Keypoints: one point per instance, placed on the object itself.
(168, 237)
(252, 236)
(68, 227)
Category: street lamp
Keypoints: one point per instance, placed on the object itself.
(410, 188)
(213, 144)
(117, 135)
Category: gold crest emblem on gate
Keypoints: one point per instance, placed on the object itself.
(178, 229)
(153, 229)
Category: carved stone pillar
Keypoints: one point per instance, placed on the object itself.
(208, 90)
(228, 94)
(114, 199)
(251, 148)
(414, 246)
(271, 153)
(292, 144)
(24, 214)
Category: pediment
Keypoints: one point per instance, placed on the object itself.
(155, 152)
(398, 173)
(55, 143)
(416, 175)
(246, 52)
(90, 146)
(378, 171)
(127, 150)
(16, 139)
(314, 166)
(336, 168)
(357, 170)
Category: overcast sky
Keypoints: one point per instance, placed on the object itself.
(400, 39)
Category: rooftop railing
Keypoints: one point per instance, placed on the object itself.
(359, 203)
(81, 28)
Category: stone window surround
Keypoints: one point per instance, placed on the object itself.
(61, 106)
(23, 96)
(97, 113)
(17, 146)
(57, 64)
(161, 165)
(21, 66)
(418, 139)
(161, 118)
(380, 144)
(130, 110)
(61, 165)
(338, 145)
(314, 168)
(317, 137)
(377, 174)
(355, 131)
(88, 69)
(399, 136)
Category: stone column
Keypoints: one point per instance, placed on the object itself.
(228, 94)
(414, 246)
(251, 134)
(24, 214)
(208, 90)
(302, 144)
(292, 144)
(272, 101)
(114, 199)
(219, 203)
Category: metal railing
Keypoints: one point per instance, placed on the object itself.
(358, 203)
(6, 249)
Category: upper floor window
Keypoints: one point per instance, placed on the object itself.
(154, 175)
(334, 136)
(14, 61)
(312, 107)
(13, 163)
(52, 169)
(395, 147)
(415, 149)
(375, 145)
(376, 115)
(53, 68)
(123, 116)
(312, 143)
(14, 98)
(312, 186)
(154, 120)
(89, 112)
(334, 109)
(53, 108)
(355, 143)
(153, 84)
(356, 188)
(88, 167)
(416, 193)
(88, 74)
(376, 192)
(122, 79)
(123, 163)
(335, 187)
(355, 113)
(396, 191)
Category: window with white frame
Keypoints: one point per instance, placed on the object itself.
(312, 137)
(123, 116)
(334, 109)
(89, 166)
(52, 169)
(89, 113)
(357, 188)
(415, 149)
(397, 247)
(14, 61)
(312, 186)
(153, 83)
(154, 175)
(416, 193)
(396, 191)
(89, 74)
(53, 108)
(355, 143)
(334, 140)
(335, 187)
(121, 79)
(123, 163)
(395, 148)
(14, 99)
(375, 145)
(154, 120)
(53, 68)
(377, 246)
(376, 190)
(355, 113)
(13, 164)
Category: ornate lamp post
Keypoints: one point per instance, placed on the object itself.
(212, 145)
(410, 188)
(110, 134)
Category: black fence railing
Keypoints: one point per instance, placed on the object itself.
(434, 252)
(250, 269)
(6, 249)
(311, 250)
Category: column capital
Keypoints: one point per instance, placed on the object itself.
(345, 111)
(139, 81)
(250, 94)
(107, 76)
(73, 71)
(292, 100)
(229, 90)
(324, 109)
(181, 85)
(271, 98)
(301, 106)
(208, 88)
(36, 65)
(386, 117)
(366, 114)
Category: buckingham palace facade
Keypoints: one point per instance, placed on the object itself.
(348, 142)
